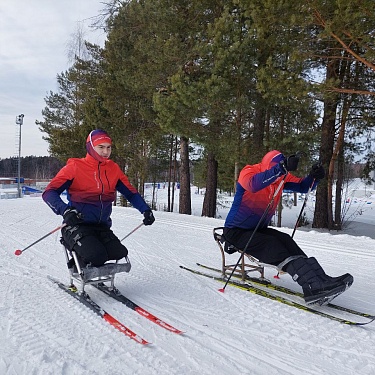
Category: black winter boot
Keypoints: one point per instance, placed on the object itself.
(313, 280)
(346, 278)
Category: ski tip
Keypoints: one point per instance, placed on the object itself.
(18, 252)
(221, 290)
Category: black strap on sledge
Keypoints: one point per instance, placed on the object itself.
(227, 246)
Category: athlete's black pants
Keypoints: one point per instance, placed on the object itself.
(95, 244)
(268, 245)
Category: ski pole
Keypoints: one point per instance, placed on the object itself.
(254, 231)
(136, 228)
(303, 206)
(19, 252)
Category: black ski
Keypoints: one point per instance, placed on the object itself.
(85, 299)
(279, 288)
(116, 294)
(264, 293)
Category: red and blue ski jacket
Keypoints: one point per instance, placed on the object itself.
(255, 188)
(91, 188)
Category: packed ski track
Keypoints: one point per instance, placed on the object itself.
(45, 331)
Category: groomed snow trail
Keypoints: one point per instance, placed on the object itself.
(45, 331)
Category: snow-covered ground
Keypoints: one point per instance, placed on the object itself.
(45, 331)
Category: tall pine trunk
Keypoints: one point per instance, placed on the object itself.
(170, 171)
(174, 173)
(209, 202)
(339, 185)
(185, 193)
(337, 159)
(323, 213)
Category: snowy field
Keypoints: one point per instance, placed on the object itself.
(45, 331)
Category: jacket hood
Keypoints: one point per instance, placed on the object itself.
(93, 139)
(271, 159)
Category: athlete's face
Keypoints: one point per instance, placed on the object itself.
(104, 150)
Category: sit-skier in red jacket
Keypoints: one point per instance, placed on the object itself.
(91, 185)
(256, 187)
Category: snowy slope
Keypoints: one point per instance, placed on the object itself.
(45, 331)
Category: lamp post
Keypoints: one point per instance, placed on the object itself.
(19, 121)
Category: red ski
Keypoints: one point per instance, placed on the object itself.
(85, 299)
(116, 294)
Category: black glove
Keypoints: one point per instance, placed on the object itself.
(72, 216)
(149, 217)
(290, 163)
(317, 171)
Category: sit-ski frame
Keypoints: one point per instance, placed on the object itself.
(242, 268)
(83, 281)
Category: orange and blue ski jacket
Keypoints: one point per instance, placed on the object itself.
(255, 188)
(91, 188)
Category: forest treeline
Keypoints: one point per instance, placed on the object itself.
(214, 84)
(32, 167)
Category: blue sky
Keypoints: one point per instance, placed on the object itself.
(34, 39)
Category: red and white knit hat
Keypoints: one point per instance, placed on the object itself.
(98, 136)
